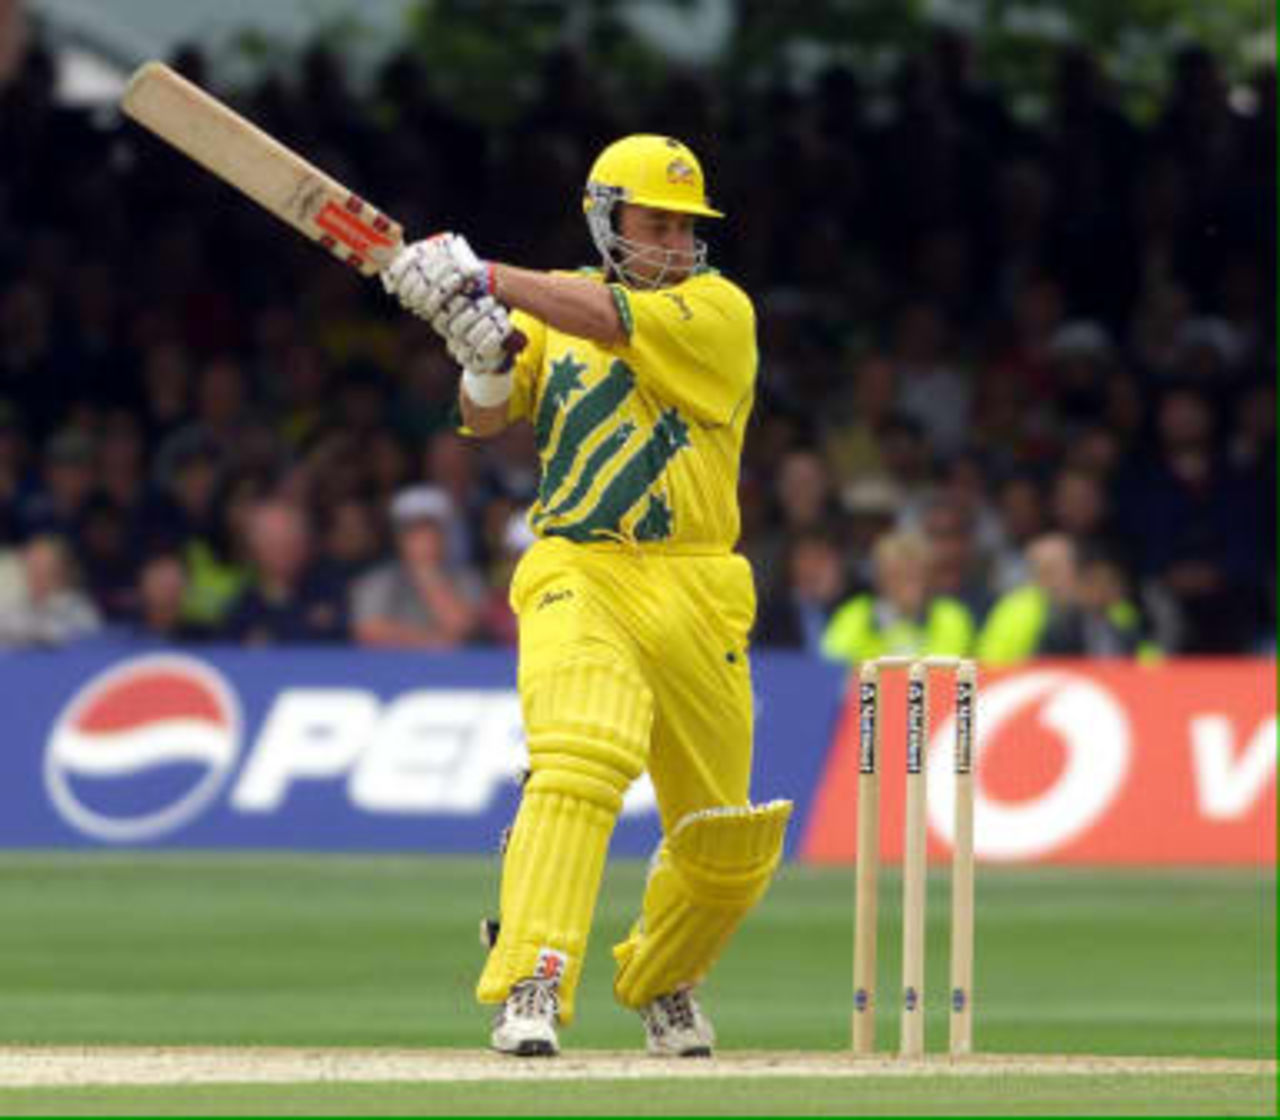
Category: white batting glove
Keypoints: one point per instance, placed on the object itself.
(477, 332)
(425, 275)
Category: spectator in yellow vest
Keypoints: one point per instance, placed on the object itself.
(1036, 617)
(899, 616)
(1072, 607)
(1113, 624)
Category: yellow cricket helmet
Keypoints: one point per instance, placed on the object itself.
(647, 170)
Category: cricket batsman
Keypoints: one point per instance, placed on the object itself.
(634, 610)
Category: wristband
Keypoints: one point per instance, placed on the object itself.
(488, 390)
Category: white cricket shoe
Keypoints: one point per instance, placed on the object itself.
(675, 1027)
(525, 1025)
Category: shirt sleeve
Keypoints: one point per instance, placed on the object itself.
(694, 344)
(371, 596)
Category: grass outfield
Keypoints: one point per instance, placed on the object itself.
(256, 950)
(1014, 1096)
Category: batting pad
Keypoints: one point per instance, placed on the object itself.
(711, 870)
(550, 879)
(588, 721)
(587, 725)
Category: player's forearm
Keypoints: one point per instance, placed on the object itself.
(479, 420)
(570, 304)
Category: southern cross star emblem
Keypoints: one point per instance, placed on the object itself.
(565, 377)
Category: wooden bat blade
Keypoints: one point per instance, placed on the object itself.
(259, 166)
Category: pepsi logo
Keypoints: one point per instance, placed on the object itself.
(142, 748)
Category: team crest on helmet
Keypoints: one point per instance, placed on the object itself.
(680, 171)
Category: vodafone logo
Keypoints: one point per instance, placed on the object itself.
(171, 717)
(1093, 732)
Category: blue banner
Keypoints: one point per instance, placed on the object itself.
(336, 750)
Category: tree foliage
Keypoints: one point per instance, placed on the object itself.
(486, 54)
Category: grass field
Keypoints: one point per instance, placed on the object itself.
(379, 952)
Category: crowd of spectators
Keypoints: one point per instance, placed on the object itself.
(995, 355)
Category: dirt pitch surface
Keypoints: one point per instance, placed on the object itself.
(75, 1066)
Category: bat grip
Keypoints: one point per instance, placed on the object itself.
(513, 344)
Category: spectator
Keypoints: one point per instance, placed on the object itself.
(1049, 285)
(1082, 359)
(58, 505)
(899, 616)
(795, 616)
(427, 401)
(187, 478)
(930, 391)
(13, 38)
(498, 619)
(1157, 326)
(1196, 527)
(221, 411)
(1111, 623)
(166, 390)
(1079, 508)
(161, 595)
(289, 598)
(198, 512)
(34, 369)
(121, 467)
(1098, 451)
(52, 611)
(108, 558)
(304, 404)
(417, 601)
(1023, 518)
(851, 445)
(513, 463)
(352, 541)
(15, 453)
(217, 559)
(450, 465)
(12, 580)
(957, 569)
(1252, 445)
(964, 483)
(907, 458)
(388, 462)
(1042, 618)
(803, 503)
(871, 506)
(803, 492)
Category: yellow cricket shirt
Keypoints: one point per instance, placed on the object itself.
(641, 441)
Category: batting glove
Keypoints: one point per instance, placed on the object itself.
(427, 274)
(478, 333)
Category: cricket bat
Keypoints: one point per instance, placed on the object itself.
(279, 180)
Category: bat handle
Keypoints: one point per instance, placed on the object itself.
(514, 343)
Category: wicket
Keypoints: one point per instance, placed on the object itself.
(914, 864)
